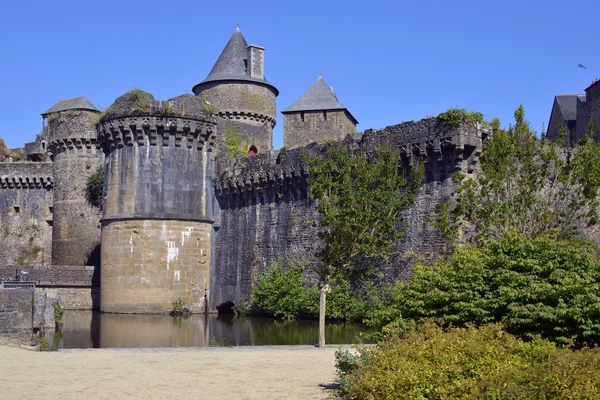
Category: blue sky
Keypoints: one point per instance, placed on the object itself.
(389, 61)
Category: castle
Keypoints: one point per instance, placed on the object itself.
(179, 217)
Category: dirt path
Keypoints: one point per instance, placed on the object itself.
(282, 372)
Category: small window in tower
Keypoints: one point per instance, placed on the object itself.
(302, 116)
(252, 151)
(17, 210)
(325, 115)
(44, 146)
(51, 210)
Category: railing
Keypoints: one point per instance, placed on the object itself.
(17, 285)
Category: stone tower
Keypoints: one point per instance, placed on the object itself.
(592, 94)
(245, 100)
(73, 147)
(156, 227)
(317, 116)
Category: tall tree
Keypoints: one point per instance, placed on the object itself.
(528, 185)
(360, 198)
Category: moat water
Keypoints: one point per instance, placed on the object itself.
(88, 329)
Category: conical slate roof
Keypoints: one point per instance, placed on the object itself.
(77, 103)
(318, 97)
(231, 64)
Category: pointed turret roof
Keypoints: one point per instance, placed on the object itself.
(77, 103)
(318, 97)
(232, 63)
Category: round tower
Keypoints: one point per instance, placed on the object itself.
(73, 147)
(156, 230)
(244, 99)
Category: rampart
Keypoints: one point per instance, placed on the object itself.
(26, 212)
(265, 215)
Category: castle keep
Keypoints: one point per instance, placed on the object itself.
(180, 218)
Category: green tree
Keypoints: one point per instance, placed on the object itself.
(532, 186)
(359, 198)
(535, 286)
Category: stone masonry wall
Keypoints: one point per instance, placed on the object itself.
(76, 156)
(250, 108)
(303, 128)
(266, 215)
(146, 264)
(26, 207)
(16, 318)
(593, 103)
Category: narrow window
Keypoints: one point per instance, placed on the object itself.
(51, 210)
(252, 151)
(325, 115)
(302, 116)
(44, 146)
(17, 210)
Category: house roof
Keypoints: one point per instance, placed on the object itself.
(568, 105)
(231, 64)
(77, 103)
(316, 98)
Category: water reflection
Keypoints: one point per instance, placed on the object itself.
(85, 329)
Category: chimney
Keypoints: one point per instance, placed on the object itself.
(256, 62)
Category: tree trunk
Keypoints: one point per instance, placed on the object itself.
(324, 290)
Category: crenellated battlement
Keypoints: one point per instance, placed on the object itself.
(247, 116)
(440, 148)
(155, 130)
(26, 175)
(81, 145)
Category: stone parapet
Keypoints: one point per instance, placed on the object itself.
(157, 130)
(26, 175)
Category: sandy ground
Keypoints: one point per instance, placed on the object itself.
(279, 372)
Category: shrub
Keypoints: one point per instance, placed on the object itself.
(470, 363)
(284, 292)
(180, 306)
(58, 317)
(458, 116)
(534, 286)
(42, 342)
(94, 187)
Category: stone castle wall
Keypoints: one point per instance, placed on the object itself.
(16, 314)
(303, 128)
(249, 106)
(266, 215)
(76, 156)
(593, 103)
(26, 213)
(157, 221)
(149, 263)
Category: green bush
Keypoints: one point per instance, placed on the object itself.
(94, 187)
(284, 292)
(458, 116)
(534, 286)
(42, 342)
(179, 306)
(469, 363)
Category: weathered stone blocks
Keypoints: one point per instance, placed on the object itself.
(149, 263)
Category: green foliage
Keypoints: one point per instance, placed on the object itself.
(58, 317)
(360, 199)
(166, 109)
(94, 187)
(470, 363)
(21, 260)
(179, 306)
(233, 141)
(281, 292)
(535, 286)
(42, 342)
(532, 186)
(210, 110)
(459, 116)
(219, 343)
(284, 292)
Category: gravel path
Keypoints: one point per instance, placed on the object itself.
(260, 372)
